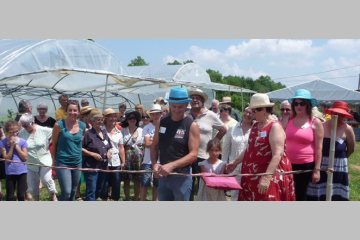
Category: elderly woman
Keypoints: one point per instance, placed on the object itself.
(96, 153)
(304, 140)
(67, 144)
(134, 152)
(165, 111)
(37, 138)
(117, 160)
(265, 154)
(344, 147)
(236, 140)
(42, 119)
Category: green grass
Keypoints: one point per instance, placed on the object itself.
(354, 182)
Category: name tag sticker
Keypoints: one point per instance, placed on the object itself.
(340, 140)
(82, 138)
(305, 126)
(263, 134)
(105, 142)
(202, 126)
(162, 130)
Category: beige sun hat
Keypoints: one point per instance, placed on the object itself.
(317, 114)
(259, 100)
(226, 100)
(198, 92)
(109, 111)
(155, 108)
(85, 110)
(159, 99)
(95, 112)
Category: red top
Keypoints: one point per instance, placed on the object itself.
(256, 160)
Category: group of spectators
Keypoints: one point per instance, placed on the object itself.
(176, 141)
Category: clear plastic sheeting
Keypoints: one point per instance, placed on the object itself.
(320, 90)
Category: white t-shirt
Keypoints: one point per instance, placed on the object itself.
(148, 131)
(115, 139)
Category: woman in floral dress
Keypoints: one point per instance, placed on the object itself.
(134, 152)
(265, 154)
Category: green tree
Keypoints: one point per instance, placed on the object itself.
(138, 61)
(91, 40)
(215, 76)
(188, 61)
(176, 62)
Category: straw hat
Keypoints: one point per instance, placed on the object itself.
(303, 94)
(198, 92)
(159, 99)
(226, 100)
(85, 110)
(316, 113)
(178, 95)
(95, 112)
(155, 108)
(339, 107)
(259, 100)
(109, 111)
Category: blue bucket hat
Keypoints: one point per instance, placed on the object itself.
(178, 95)
(303, 94)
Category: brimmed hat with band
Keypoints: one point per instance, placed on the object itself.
(259, 100)
(178, 95)
(136, 113)
(226, 100)
(155, 108)
(199, 93)
(109, 111)
(339, 107)
(95, 112)
(303, 94)
(85, 110)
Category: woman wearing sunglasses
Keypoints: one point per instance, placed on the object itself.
(304, 140)
(134, 152)
(145, 118)
(344, 147)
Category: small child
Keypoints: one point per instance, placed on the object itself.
(14, 148)
(211, 165)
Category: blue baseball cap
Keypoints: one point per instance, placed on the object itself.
(303, 94)
(178, 95)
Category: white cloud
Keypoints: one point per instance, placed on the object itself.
(286, 48)
(236, 71)
(170, 59)
(292, 64)
(344, 46)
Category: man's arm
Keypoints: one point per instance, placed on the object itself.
(193, 144)
(221, 133)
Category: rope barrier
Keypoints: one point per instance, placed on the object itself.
(178, 174)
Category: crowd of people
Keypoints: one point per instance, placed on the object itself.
(178, 136)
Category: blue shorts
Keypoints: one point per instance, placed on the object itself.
(147, 179)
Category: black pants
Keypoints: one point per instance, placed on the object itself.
(302, 180)
(195, 170)
(18, 181)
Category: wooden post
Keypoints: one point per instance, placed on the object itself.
(334, 119)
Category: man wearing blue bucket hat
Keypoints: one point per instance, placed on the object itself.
(177, 138)
(304, 140)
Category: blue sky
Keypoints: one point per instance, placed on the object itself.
(277, 58)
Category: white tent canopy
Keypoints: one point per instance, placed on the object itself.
(320, 90)
(41, 70)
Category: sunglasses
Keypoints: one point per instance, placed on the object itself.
(16, 131)
(131, 118)
(26, 125)
(42, 109)
(301, 104)
(143, 117)
(285, 109)
(85, 103)
(256, 110)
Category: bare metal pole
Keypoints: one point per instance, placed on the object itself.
(93, 99)
(104, 103)
(51, 98)
(17, 106)
(334, 119)
(242, 101)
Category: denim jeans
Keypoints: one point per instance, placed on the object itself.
(147, 177)
(68, 180)
(112, 179)
(93, 184)
(175, 188)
